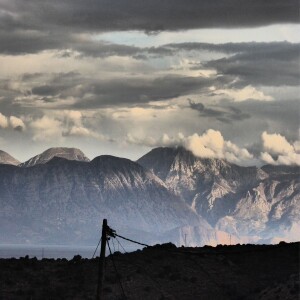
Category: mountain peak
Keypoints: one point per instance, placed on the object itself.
(7, 159)
(164, 160)
(62, 152)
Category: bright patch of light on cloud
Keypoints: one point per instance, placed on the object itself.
(288, 32)
(248, 92)
(210, 144)
(46, 128)
(277, 150)
(3, 121)
(13, 122)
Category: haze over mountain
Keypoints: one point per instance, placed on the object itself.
(169, 194)
(249, 202)
(6, 158)
(64, 201)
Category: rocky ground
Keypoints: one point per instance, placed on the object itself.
(161, 272)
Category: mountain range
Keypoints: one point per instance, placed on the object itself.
(61, 197)
(256, 204)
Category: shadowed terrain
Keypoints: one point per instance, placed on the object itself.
(161, 272)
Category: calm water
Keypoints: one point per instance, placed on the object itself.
(46, 251)
(52, 251)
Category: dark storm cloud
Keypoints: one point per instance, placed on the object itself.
(226, 114)
(151, 16)
(237, 114)
(46, 90)
(96, 93)
(32, 26)
(57, 84)
(24, 41)
(31, 76)
(274, 64)
(271, 64)
(280, 116)
(139, 91)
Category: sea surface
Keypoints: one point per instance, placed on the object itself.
(46, 251)
(53, 251)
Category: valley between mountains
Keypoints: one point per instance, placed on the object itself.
(168, 195)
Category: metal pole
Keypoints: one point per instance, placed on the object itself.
(101, 262)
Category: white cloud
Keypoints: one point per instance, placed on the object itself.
(46, 128)
(266, 157)
(73, 122)
(278, 151)
(11, 122)
(80, 131)
(16, 123)
(235, 154)
(164, 140)
(276, 143)
(297, 146)
(248, 92)
(3, 121)
(74, 116)
(60, 125)
(83, 132)
(147, 141)
(211, 144)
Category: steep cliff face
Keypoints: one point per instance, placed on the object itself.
(202, 182)
(67, 153)
(249, 202)
(66, 200)
(7, 159)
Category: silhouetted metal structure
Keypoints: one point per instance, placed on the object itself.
(106, 232)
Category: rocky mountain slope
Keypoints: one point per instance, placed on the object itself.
(67, 153)
(6, 158)
(251, 203)
(64, 201)
(168, 195)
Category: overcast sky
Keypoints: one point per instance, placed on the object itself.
(121, 77)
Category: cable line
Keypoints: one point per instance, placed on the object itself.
(118, 274)
(132, 241)
(121, 246)
(97, 248)
(113, 245)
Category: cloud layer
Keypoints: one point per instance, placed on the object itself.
(211, 144)
(150, 16)
(124, 72)
(278, 151)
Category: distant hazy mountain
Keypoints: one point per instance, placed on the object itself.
(6, 158)
(67, 153)
(168, 195)
(65, 201)
(249, 202)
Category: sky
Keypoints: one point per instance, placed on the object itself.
(121, 77)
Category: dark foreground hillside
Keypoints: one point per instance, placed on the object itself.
(161, 272)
